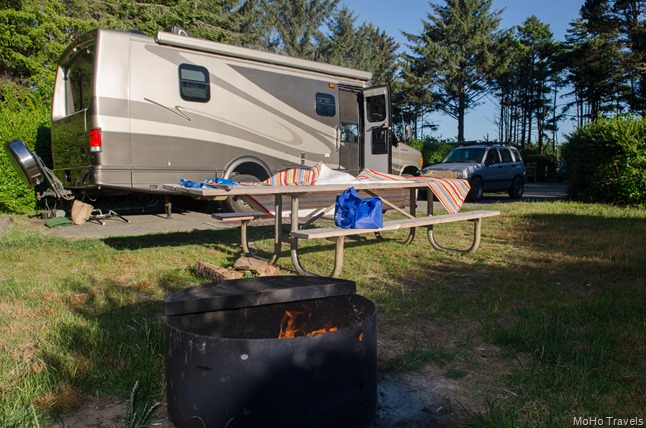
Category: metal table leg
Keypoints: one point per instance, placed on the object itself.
(278, 228)
(477, 227)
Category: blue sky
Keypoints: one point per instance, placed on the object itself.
(394, 16)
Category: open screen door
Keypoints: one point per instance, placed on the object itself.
(377, 153)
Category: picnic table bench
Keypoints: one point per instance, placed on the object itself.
(244, 219)
(338, 234)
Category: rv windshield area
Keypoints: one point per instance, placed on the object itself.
(461, 155)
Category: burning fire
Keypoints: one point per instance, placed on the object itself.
(289, 327)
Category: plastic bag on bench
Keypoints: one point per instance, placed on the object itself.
(354, 212)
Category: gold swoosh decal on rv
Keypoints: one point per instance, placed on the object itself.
(176, 110)
(295, 140)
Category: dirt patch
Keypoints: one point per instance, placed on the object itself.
(404, 400)
(415, 401)
(99, 412)
(5, 224)
(418, 400)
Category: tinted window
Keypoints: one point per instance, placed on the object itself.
(506, 156)
(79, 75)
(194, 83)
(492, 156)
(325, 104)
(516, 154)
(376, 106)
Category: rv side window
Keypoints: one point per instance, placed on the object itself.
(325, 104)
(194, 83)
(79, 81)
(376, 108)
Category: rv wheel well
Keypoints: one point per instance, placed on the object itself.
(410, 170)
(250, 168)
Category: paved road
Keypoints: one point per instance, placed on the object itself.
(186, 221)
(533, 192)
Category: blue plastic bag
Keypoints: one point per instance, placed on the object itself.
(207, 183)
(189, 183)
(353, 212)
(222, 181)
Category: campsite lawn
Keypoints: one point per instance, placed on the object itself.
(544, 324)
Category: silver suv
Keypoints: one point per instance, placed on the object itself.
(488, 168)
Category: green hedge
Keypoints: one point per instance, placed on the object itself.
(433, 150)
(546, 164)
(606, 161)
(30, 124)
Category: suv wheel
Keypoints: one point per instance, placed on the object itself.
(517, 188)
(477, 189)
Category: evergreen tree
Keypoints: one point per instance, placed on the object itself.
(594, 62)
(365, 48)
(537, 75)
(630, 16)
(378, 54)
(294, 26)
(607, 58)
(455, 55)
(37, 31)
(506, 89)
(343, 45)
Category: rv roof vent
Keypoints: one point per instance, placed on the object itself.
(178, 30)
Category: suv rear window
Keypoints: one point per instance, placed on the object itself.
(505, 154)
(516, 155)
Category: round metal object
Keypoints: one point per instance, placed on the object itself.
(24, 162)
(225, 362)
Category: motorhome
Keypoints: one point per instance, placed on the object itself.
(131, 112)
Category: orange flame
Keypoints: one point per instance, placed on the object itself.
(289, 327)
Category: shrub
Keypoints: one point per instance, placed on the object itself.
(433, 150)
(25, 120)
(606, 161)
(546, 164)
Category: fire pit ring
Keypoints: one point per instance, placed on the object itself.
(225, 362)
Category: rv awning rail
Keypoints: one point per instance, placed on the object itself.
(170, 39)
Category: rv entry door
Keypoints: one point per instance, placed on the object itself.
(348, 131)
(377, 153)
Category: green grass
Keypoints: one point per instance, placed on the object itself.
(545, 322)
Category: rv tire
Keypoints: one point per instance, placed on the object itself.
(235, 204)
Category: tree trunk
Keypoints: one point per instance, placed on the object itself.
(461, 109)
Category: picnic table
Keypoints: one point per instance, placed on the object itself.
(300, 227)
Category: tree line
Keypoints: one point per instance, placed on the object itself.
(460, 56)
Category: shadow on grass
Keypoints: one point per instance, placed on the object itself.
(107, 347)
(567, 305)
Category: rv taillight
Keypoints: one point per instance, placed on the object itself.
(96, 144)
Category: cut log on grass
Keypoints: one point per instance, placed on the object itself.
(216, 273)
(255, 266)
